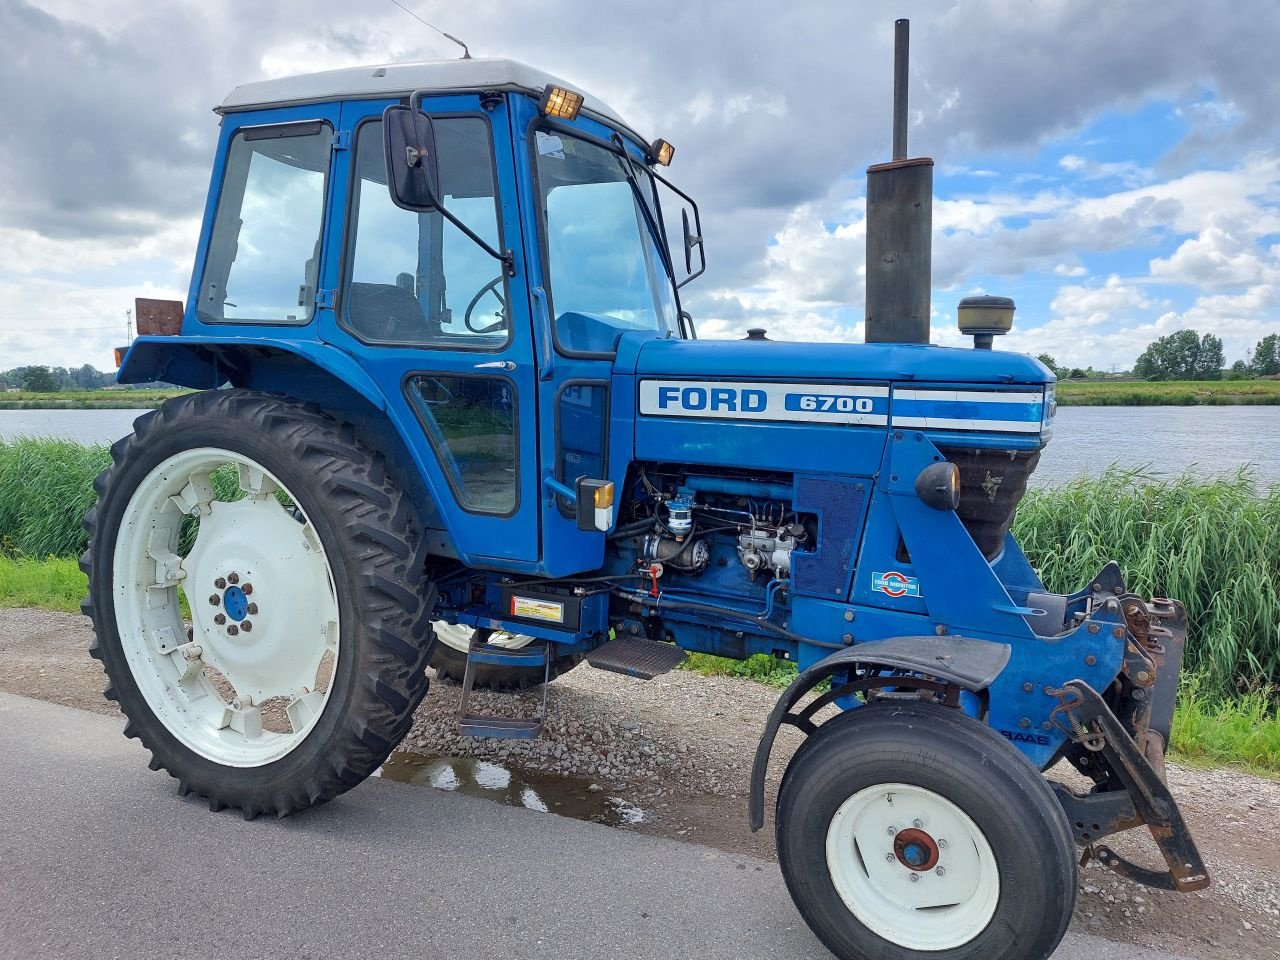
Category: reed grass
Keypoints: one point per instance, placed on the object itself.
(1214, 544)
(46, 486)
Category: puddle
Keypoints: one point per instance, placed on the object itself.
(544, 792)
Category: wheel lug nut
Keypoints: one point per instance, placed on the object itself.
(233, 577)
(233, 630)
(247, 588)
(214, 600)
(252, 608)
(220, 583)
(892, 831)
(220, 619)
(942, 844)
(246, 625)
(941, 871)
(917, 824)
(915, 878)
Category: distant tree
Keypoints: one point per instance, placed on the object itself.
(38, 380)
(1048, 361)
(1266, 356)
(1184, 355)
(1210, 360)
(1239, 371)
(1075, 373)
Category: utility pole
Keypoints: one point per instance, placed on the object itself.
(128, 326)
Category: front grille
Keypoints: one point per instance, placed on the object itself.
(992, 484)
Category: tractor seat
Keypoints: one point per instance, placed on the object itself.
(387, 311)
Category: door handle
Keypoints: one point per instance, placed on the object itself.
(496, 365)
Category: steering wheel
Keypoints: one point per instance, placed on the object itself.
(491, 287)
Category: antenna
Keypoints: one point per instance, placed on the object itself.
(128, 325)
(466, 54)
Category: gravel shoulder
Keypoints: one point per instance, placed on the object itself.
(680, 748)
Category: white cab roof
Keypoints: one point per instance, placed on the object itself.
(401, 79)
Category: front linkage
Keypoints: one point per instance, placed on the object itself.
(1120, 745)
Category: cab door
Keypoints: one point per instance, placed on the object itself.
(439, 324)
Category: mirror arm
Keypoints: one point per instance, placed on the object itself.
(507, 259)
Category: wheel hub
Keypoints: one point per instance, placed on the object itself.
(236, 603)
(915, 849)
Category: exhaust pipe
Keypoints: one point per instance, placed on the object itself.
(899, 227)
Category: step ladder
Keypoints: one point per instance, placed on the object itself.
(536, 654)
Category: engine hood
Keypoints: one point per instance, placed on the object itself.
(780, 359)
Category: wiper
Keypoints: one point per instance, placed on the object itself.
(628, 168)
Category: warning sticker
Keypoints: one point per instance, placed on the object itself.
(532, 609)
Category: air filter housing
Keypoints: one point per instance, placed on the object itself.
(984, 318)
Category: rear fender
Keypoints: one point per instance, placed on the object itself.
(956, 662)
(309, 371)
(206, 363)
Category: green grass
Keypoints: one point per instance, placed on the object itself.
(1214, 544)
(53, 584)
(1244, 730)
(1177, 393)
(759, 667)
(85, 399)
(46, 486)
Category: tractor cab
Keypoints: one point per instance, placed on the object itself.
(469, 264)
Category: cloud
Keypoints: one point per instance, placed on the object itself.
(1214, 258)
(775, 112)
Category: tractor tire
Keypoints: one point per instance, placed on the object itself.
(909, 831)
(450, 661)
(301, 562)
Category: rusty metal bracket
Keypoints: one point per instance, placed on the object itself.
(1153, 803)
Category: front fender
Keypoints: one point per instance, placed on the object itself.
(966, 662)
(206, 363)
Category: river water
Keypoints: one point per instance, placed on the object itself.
(1166, 440)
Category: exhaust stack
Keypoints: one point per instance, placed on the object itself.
(899, 227)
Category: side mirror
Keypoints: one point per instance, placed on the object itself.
(692, 240)
(413, 175)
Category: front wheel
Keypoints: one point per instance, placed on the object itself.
(909, 831)
(258, 603)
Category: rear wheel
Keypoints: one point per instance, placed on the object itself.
(450, 658)
(270, 530)
(909, 831)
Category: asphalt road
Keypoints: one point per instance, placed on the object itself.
(99, 858)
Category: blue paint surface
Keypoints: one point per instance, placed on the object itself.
(235, 603)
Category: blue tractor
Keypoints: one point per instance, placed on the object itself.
(448, 410)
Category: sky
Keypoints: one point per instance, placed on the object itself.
(1112, 165)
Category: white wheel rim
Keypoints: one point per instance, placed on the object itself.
(267, 568)
(458, 637)
(946, 905)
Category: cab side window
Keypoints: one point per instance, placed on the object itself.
(264, 252)
(414, 278)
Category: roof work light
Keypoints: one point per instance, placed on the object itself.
(559, 102)
(662, 152)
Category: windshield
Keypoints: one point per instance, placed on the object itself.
(606, 271)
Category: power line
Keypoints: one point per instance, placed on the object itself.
(466, 54)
